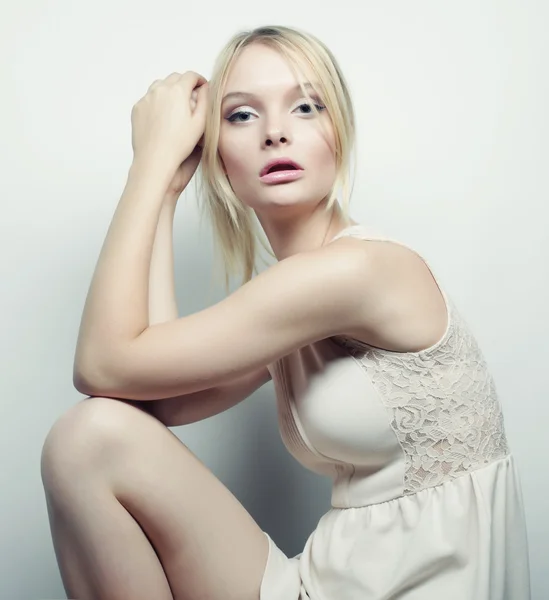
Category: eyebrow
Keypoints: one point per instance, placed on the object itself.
(306, 84)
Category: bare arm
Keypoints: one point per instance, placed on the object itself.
(197, 406)
(162, 299)
(187, 408)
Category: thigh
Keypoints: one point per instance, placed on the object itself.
(209, 545)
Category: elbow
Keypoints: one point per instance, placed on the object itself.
(90, 380)
(83, 383)
(92, 372)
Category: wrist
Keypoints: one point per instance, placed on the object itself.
(154, 167)
(169, 204)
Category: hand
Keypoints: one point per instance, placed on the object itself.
(184, 174)
(168, 122)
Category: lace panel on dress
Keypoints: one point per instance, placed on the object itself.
(442, 403)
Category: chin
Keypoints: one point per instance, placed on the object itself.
(286, 204)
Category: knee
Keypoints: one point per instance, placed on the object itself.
(88, 432)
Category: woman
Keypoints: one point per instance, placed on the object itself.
(380, 385)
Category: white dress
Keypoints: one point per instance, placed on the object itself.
(426, 497)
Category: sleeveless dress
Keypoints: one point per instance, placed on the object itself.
(426, 498)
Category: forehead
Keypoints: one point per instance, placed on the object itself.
(262, 68)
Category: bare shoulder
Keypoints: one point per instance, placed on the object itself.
(406, 311)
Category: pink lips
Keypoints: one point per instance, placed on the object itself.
(281, 175)
(283, 160)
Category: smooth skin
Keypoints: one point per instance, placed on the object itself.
(133, 513)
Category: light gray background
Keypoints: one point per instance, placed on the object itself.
(451, 101)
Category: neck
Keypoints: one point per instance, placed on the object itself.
(295, 235)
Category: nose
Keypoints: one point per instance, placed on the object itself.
(275, 138)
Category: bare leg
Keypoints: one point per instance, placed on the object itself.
(134, 513)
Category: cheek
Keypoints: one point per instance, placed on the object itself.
(324, 159)
(235, 164)
(320, 142)
(323, 162)
(234, 156)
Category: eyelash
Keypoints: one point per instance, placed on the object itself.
(231, 119)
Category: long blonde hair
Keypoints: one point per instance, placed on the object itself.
(236, 228)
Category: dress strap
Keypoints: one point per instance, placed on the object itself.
(365, 233)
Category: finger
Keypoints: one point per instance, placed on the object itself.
(154, 84)
(173, 76)
(191, 80)
(202, 101)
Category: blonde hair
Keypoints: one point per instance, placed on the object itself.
(236, 229)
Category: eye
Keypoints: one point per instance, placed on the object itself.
(319, 107)
(235, 117)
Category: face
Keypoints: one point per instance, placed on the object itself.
(273, 119)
